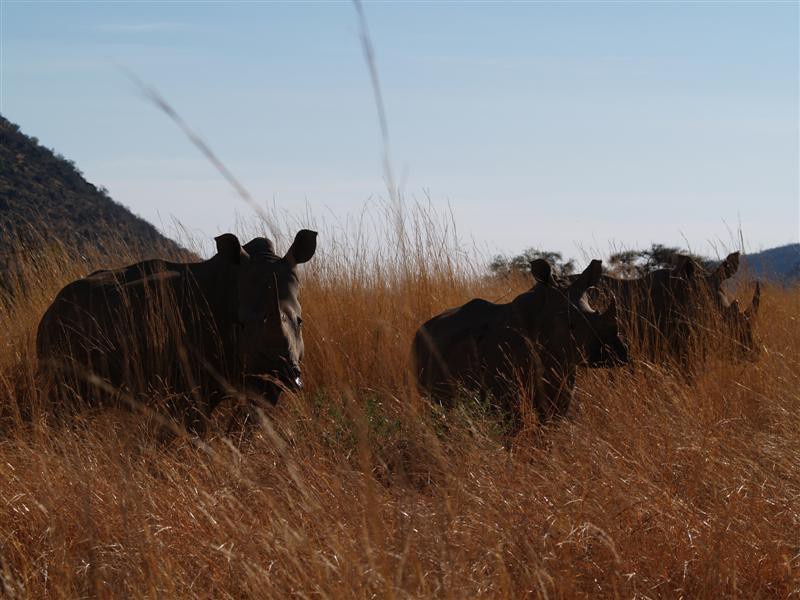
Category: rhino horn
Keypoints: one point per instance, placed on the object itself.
(753, 309)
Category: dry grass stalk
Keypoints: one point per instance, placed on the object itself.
(655, 486)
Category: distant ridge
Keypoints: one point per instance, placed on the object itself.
(44, 194)
(778, 264)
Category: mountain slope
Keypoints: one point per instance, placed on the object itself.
(43, 195)
(779, 264)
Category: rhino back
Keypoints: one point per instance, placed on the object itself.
(129, 325)
(447, 347)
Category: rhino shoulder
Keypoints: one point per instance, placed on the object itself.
(477, 307)
(457, 324)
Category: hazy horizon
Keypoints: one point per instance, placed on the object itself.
(564, 127)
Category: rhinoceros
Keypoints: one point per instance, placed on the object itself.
(675, 313)
(200, 331)
(526, 351)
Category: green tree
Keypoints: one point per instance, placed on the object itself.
(635, 263)
(503, 266)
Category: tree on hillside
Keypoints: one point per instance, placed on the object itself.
(503, 266)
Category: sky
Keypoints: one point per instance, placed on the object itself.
(564, 126)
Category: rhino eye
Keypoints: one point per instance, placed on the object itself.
(299, 322)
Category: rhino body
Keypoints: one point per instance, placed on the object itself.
(678, 315)
(194, 332)
(526, 351)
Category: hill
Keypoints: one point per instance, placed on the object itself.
(780, 264)
(44, 196)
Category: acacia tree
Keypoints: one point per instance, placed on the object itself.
(503, 266)
(635, 263)
(627, 263)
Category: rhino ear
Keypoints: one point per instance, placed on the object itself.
(542, 271)
(303, 247)
(590, 276)
(727, 267)
(229, 248)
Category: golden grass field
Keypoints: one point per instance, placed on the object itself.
(654, 486)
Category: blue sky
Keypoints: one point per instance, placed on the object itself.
(567, 126)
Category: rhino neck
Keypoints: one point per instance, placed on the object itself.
(526, 311)
(217, 284)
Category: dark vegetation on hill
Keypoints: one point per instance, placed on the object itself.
(780, 264)
(44, 195)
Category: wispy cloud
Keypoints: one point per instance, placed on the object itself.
(470, 61)
(145, 27)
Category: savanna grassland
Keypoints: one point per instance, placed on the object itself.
(655, 486)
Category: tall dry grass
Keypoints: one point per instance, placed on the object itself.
(655, 486)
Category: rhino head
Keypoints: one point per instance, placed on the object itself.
(268, 321)
(594, 334)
